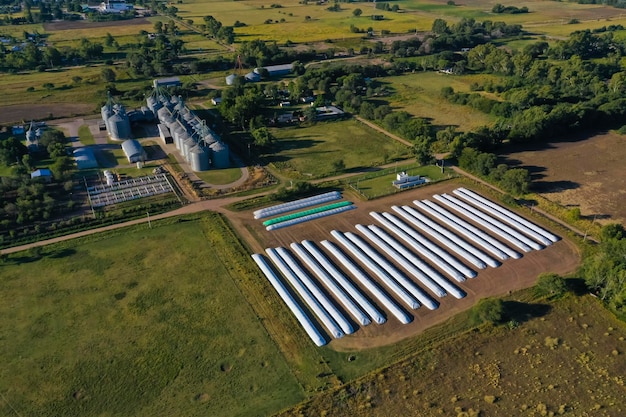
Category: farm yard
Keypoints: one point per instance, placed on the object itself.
(514, 274)
(584, 172)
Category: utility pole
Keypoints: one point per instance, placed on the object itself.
(149, 223)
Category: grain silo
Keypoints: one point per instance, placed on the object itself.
(187, 145)
(199, 158)
(220, 157)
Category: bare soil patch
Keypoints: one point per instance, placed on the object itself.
(20, 113)
(586, 173)
(512, 275)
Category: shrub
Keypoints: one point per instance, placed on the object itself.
(488, 310)
(550, 285)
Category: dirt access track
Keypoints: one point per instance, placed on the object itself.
(561, 257)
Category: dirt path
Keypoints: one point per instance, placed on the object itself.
(383, 131)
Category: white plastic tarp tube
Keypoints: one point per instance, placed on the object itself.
(489, 223)
(306, 296)
(344, 282)
(453, 237)
(298, 312)
(462, 230)
(327, 304)
(377, 270)
(394, 272)
(452, 245)
(496, 243)
(309, 217)
(506, 219)
(403, 261)
(424, 246)
(513, 216)
(430, 272)
(332, 286)
(294, 205)
(371, 286)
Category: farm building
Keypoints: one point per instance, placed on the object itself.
(164, 133)
(276, 70)
(85, 158)
(252, 77)
(133, 151)
(167, 82)
(115, 6)
(43, 174)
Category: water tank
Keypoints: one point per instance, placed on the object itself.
(220, 157)
(199, 158)
(187, 145)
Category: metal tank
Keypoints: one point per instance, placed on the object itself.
(179, 139)
(119, 126)
(187, 145)
(199, 158)
(176, 132)
(220, 157)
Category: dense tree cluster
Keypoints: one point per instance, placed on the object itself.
(605, 270)
(155, 56)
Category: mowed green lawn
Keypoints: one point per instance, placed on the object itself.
(310, 152)
(138, 322)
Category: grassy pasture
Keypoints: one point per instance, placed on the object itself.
(557, 358)
(309, 152)
(133, 323)
(419, 95)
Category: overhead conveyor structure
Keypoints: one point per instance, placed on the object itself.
(507, 216)
(304, 320)
(513, 236)
(344, 282)
(468, 234)
(328, 281)
(367, 282)
(423, 246)
(306, 296)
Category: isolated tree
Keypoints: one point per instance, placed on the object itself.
(339, 165)
(357, 12)
(550, 285)
(488, 310)
(262, 137)
(108, 75)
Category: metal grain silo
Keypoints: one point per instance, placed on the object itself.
(220, 157)
(177, 132)
(187, 145)
(153, 103)
(199, 158)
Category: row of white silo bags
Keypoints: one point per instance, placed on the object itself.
(496, 243)
(430, 272)
(297, 204)
(519, 222)
(394, 272)
(448, 263)
(309, 217)
(344, 282)
(408, 266)
(452, 244)
(365, 280)
(511, 235)
(304, 320)
(314, 289)
(479, 254)
(468, 234)
(370, 264)
(305, 294)
(330, 283)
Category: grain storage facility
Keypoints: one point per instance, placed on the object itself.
(85, 158)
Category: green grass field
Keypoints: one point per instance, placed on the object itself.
(378, 184)
(419, 95)
(85, 136)
(133, 323)
(220, 176)
(310, 152)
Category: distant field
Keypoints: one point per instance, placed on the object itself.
(420, 95)
(140, 322)
(309, 152)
